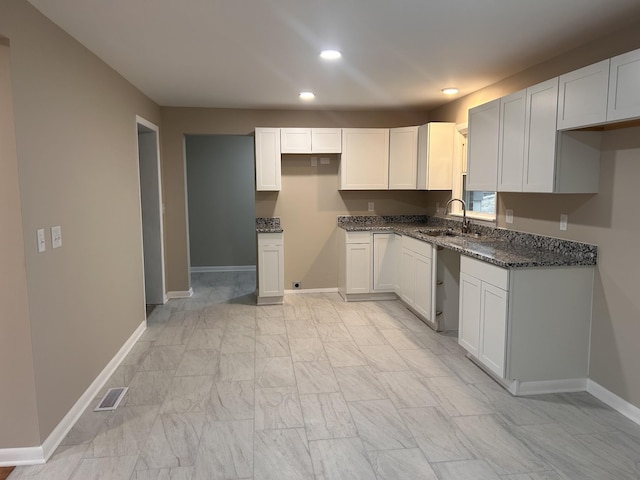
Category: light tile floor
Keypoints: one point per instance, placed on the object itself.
(320, 389)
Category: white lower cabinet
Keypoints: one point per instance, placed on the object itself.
(385, 260)
(270, 268)
(354, 263)
(417, 278)
(528, 327)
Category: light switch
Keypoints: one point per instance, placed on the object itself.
(56, 236)
(564, 219)
(325, 160)
(509, 216)
(42, 246)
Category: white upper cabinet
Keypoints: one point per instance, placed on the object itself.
(482, 163)
(403, 158)
(511, 145)
(365, 159)
(267, 143)
(311, 140)
(624, 87)
(540, 156)
(326, 140)
(435, 155)
(582, 97)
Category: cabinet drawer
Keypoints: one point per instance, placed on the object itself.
(417, 246)
(270, 239)
(496, 276)
(358, 237)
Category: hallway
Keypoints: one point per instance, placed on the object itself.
(320, 389)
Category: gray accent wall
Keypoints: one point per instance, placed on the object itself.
(221, 200)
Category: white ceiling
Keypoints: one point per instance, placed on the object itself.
(262, 53)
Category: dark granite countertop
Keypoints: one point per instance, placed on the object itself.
(502, 247)
(268, 225)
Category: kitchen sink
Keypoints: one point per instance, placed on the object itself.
(448, 233)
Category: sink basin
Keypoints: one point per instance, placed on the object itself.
(439, 233)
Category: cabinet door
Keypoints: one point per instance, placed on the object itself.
(511, 146)
(384, 262)
(326, 140)
(295, 140)
(397, 268)
(267, 142)
(270, 270)
(424, 293)
(358, 263)
(408, 277)
(541, 137)
(624, 87)
(582, 99)
(435, 155)
(365, 159)
(493, 328)
(482, 161)
(403, 158)
(469, 314)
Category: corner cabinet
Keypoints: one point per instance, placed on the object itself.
(482, 149)
(268, 157)
(435, 155)
(270, 268)
(365, 159)
(528, 327)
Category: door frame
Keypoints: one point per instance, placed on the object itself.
(157, 179)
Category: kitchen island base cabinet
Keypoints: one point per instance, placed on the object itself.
(270, 268)
(529, 328)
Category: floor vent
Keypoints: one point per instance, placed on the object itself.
(111, 399)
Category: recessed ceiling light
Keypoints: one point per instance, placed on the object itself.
(307, 96)
(330, 54)
(450, 91)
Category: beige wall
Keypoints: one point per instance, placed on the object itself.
(18, 415)
(78, 168)
(309, 198)
(608, 219)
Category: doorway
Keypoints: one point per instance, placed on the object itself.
(151, 211)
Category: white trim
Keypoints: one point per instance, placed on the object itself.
(311, 290)
(548, 386)
(224, 268)
(614, 401)
(180, 294)
(40, 454)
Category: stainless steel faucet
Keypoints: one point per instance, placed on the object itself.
(465, 224)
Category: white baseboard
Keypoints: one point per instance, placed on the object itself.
(311, 290)
(549, 386)
(614, 401)
(180, 294)
(226, 268)
(40, 454)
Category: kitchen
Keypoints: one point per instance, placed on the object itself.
(605, 219)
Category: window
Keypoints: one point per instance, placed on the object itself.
(480, 205)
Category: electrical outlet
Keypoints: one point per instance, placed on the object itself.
(56, 236)
(314, 162)
(437, 208)
(42, 245)
(371, 206)
(297, 285)
(508, 216)
(564, 220)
